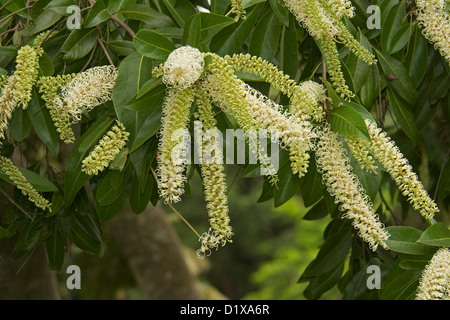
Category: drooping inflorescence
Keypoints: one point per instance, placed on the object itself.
(18, 179)
(344, 185)
(107, 149)
(435, 24)
(391, 158)
(435, 280)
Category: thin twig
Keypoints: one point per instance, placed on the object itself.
(16, 204)
(124, 25)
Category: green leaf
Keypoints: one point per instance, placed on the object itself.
(348, 121)
(79, 43)
(42, 122)
(358, 69)
(231, 39)
(288, 184)
(403, 239)
(126, 87)
(105, 213)
(20, 125)
(180, 11)
(54, 246)
(97, 14)
(332, 253)
(266, 36)
(86, 234)
(46, 68)
(391, 28)
(289, 49)
(74, 178)
(417, 54)
(151, 100)
(139, 199)
(192, 31)
(280, 11)
(148, 129)
(116, 5)
(153, 45)
(323, 282)
(38, 182)
(111, 186)
(369, 89)
(358, 108)
(400, 284)
(142, 160)
(44, 21)
(437, 235)
(121, 47)
(311, 187)
(146, 14)
(249, 3)
(403, 114)
(402, 83)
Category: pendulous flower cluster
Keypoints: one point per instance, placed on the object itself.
(435, 280)
(323, 20)
(344, 185)
(391, 158)
(18, 179)
(106, 150)
(435, 22)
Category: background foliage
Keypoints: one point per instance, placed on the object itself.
(303, 239)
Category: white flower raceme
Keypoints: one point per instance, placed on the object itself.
(86, 91)
(106, 150)
(305, 97)
(17, 90)
(17, 178)
(183, 67)
(341, 8)
(293, 133)
(344, 185)
(213, 175)
(391, 158)
(359, 148)
(172, 145)
(435, 281)
(435, 23)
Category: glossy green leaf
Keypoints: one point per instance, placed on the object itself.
(86, 234)
(139, 199)
(266, 36)
(392, 26)
(121, 47)
(38, 182)
(400, 284)
(249, 3)
(323, 282)
(111, 186)
(79, 43)
(153, 45)
(311, 187)
(54, 246)
(146, 14)
(403, 114)
(288, 184)
(437, 234)
(403, 239)
(42, 123)
(97, 14)
(348, 121)
(45, 20)
(417, 54)
(401, 82)
(117, 5)
(289, 49)
(74, 178)
(280, 11)
(142, 160)
(20, 125)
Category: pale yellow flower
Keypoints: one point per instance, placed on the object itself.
(107, 149)
(435, 280)
(183, 67)
(344, 185)
(391, 158)
(17, 178)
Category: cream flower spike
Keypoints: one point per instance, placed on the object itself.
(435, 23)
(107, 149)
(175, 120)
(344, 185)
(391, 158)
(183, 67)
(17, 178)
(213, 174)
(17, 90)
(435, 280)
(87, 90)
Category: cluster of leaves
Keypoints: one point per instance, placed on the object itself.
(407, 91)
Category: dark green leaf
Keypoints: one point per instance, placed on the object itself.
(79, 43)
(311, 187)
(86, 234)
(403, 114)
(146, 14)
(140, 199)
(96, 15)
(38, 182)
(121, 47)
(153, 45)
(288, 184)
(266, 36)
(249, 3)
(54, 246)
(323, 282)
(417, 54)
(20, 125)
(42, 123)
(289, 49)
(111, 186)
(74, 178)
(348, 121)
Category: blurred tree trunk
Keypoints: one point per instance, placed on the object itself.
(28, 278)
(154, 254)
